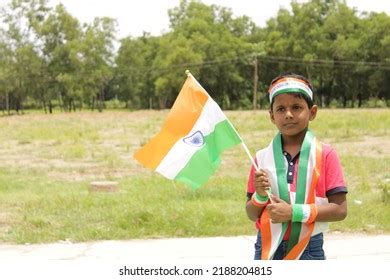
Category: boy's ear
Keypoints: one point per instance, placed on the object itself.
(313, 112)
(271, 115)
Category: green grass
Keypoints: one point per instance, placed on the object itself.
(48, 161)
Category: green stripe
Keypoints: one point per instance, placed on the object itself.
(262, 198)
(280, 167)
(301, 186)
(284, 229)
(291, 90)
(206, 160)
(297, 213)
(281, 177)
(302, 168)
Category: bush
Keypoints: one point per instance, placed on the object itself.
(115, 104)
(376, 103)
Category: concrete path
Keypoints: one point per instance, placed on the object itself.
(337, 246)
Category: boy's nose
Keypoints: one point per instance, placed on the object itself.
(289, 115)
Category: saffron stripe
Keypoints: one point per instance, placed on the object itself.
(185, 111)
(286, 83)
(298, 249)
(181, 153)
(316, 172)
(313, 213)
(286, 80)
(266, 236)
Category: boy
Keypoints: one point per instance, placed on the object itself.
(299, 186)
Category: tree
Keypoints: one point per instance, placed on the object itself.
(23, 72)
(202, 39)
(134, 75)
(97, 57)
(60, 35)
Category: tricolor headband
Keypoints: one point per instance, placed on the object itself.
(289, 85)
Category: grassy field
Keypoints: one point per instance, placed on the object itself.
(48, 161)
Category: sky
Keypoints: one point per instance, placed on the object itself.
(136, 16)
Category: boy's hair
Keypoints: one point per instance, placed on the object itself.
(308, 100)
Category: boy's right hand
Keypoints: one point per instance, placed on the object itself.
(262, 183)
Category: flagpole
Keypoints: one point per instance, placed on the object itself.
(249, 155)
(252, 160)
(188, 73)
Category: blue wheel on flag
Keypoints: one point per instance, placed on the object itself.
(196, 139)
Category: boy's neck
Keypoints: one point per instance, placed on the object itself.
(292, 144)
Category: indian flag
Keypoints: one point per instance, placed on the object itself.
(189, 144)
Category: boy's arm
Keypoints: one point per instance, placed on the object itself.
(335, 210)
(253, 212)
(259, 183)
(335, 187)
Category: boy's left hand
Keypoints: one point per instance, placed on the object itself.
(279, 211)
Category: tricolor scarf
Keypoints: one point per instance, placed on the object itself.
(309, 166)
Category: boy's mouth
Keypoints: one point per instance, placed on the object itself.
(289, 124)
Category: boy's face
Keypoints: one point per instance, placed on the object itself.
(291, 114)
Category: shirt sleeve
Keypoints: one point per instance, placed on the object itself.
(334, 178)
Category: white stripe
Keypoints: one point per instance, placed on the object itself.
(181, 153)
(290, 84)
(306, 212)
(310, 166)
(276, 234)
(265, 160)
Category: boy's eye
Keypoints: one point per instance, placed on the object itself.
(280, 109)
(297, 107)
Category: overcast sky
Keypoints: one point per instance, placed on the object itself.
(136, 16)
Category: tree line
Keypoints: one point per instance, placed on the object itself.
(49, 59)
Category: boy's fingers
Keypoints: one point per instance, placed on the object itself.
(261, 179)
(277, 199)
(261, 172)
(263, 176)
